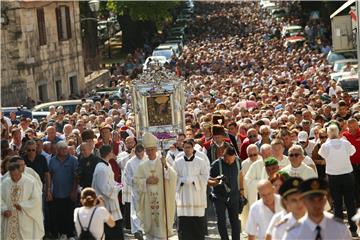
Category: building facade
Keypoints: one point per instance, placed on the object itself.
(41, 52)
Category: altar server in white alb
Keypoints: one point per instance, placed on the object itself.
(105, 185)
(21, 207)
(130, 170)
(193, 174)
(155, 185)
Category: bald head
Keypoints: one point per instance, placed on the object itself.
(264, 183)
(130, 142)
(266, 192)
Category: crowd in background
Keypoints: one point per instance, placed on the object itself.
(244, 89)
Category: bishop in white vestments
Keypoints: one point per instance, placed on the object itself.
(21, 207)
(155, 185)
(191, 200)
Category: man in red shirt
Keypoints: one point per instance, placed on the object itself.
(252, 137)
(353, 136)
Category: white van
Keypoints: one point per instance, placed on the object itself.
(69, 105)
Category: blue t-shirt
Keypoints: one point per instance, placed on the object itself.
(63, 175)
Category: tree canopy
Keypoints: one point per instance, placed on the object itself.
(155, 11)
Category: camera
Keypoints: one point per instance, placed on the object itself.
(221, 178)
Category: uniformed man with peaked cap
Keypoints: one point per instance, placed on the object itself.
(317, 224)
(295, 209)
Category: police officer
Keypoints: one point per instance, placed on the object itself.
(225, 178)
(317, 224)
(295, 209)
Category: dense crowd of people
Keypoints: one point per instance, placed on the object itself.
(270, 143)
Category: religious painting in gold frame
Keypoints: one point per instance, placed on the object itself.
(159, 110)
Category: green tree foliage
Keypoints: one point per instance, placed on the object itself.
(155, 11)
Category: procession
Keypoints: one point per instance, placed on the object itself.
(243, 134)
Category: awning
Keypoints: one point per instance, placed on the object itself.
(340, 9)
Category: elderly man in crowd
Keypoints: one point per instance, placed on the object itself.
(262, 210)
(297, 168)
(239, 72)
(340, 174)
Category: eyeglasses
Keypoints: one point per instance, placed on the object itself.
(31, 150)
(253, 155)
(265, 133)
(252, 136)
(294, 154)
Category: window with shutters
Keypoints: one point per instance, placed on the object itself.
(63, 22)
(41, 26)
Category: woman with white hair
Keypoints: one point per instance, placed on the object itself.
(336, 153)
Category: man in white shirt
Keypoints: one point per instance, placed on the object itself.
(277, 146)
(297, 168)
(336, 153)
(262, 210)
(105, 185)
(130, 169)
(191, 198)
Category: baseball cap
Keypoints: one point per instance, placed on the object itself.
(303, 136)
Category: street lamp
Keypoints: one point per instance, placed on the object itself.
(94, 5)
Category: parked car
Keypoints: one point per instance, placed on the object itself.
(336, 76)
(339, 64)
(296, 41)
(174, 46)
(19, 111)
(69, 105)
(350, 84)
(268, 6)
(154, 59)
(334, 56)
(175, 41)
(291, 31)
(40, 115)
(167, 52)
(278, 13)
(112, 92)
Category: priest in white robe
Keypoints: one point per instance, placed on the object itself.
(105, 185)
(255, 173)
(29, 172)
(130, 169)
(21, 207)
(153, 180)
(191, 200)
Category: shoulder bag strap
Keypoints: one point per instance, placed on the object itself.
(238, 167)
(220, 166)
(88, 228)
(82, 229)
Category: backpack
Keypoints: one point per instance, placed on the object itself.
(85, 233)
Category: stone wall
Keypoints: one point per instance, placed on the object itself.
(96, 78)
(26, 65)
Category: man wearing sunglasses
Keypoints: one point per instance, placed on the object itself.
(39, 164)
(297, 168)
